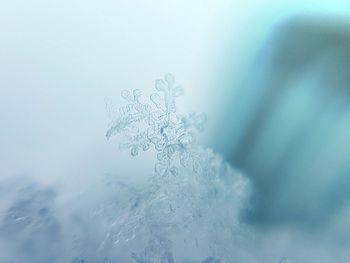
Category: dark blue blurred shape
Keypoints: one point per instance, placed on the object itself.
(290, 124)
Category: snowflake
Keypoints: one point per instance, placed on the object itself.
(157, 124)
(180, 208)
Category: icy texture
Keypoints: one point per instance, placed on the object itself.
(30, 224)
(190, 208)
(198, 213)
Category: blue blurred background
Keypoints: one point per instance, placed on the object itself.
(288, 125)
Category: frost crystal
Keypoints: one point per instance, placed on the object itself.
(196, 208)
(158, 124)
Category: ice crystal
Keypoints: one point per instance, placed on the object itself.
(157, 124)
(199, 212)
(198, 206)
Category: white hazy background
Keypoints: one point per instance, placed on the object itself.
(60, 59)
